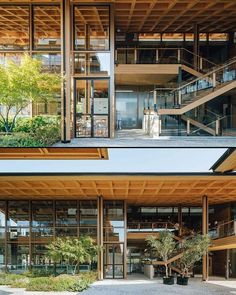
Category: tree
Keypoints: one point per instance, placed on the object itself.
(193, 250)
(164, 246)
(73, 250)
(22, 84)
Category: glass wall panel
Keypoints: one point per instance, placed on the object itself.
(2, 213)
(19, 235)
(66, 213)
(14, 27)
(6, 57)
(39, 257)
(47, 27)
(91, 27)
(51, 62)
(2, 256)
(18, 214)
(18, 258)
(114, 213)
(42, 213)
(88, 213)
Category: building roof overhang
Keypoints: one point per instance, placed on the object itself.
(50, 153)
(137, 189)
(226, 163)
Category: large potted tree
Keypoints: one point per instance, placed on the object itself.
(193, 250)
(164, 247)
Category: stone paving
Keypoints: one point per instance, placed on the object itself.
(139, 285)
(137, 138)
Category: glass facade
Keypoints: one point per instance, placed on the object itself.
(91, 70)
(27, 227)
(35, 30)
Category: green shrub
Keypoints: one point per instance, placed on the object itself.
(19, 140)
(8, 278)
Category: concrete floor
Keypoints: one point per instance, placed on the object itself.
(137, 138)
(139, 285)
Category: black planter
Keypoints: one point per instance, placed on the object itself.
(182, 281)
(168, 281)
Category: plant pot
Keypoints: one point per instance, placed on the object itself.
(168, 281)
(182, 281)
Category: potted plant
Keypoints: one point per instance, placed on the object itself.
(164, 246)
(193, 250)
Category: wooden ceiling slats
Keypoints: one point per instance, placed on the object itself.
(142, 190)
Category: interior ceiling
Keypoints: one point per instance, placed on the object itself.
(136, 189)
(130, 16)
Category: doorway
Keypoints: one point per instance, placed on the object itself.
(91, 107)
(114, 261)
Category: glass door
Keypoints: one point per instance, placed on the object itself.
(91, 107)
(114, 261)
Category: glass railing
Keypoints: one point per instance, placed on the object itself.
(162, 56)
(194, 89)
(224, 229)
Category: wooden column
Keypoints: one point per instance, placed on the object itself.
(205, 223)
(65, 70)
(196, 46)
(125, 240)
(100, 236)
(180, 219)
(112, 73)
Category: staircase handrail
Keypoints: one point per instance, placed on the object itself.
(207, 125)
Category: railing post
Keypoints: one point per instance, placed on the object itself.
(179, 97)
(214, 80)
(188, 126)
(201, 63)
(135, 56)
(217, 127)
(157, 56)
(178, 55)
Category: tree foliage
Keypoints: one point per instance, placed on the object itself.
(73, 250)
(22, 84)
(193, 250)
(164, 246)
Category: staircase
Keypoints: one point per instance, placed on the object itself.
(199, 125)
(203, 89)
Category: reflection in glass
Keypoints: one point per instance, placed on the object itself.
(114, 234)
(42, 213)
(47, 26)
(2, 213)
(66, 213)
(66, 232)
(5, 58)
(88, 213)
(18, 257)
(91, 27)
(51, 62)
(20, 235)
(18, 213)
(100, 126)
(14, 27)
(83, 126)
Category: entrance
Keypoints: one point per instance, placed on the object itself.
(91, 107)
(114, 261)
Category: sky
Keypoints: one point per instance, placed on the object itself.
(126, 160)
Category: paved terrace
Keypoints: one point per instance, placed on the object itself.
(137, 138)
(139, 285)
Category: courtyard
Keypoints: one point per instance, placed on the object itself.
(138, 284)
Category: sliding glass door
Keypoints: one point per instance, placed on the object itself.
(114, 261)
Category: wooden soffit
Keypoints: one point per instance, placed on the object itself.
(145, 189)
(54, 153)
(227, 162)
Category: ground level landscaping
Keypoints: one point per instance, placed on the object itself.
(37, 281)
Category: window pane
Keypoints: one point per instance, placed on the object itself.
(14, 27)
(113, 213)
(113, 234)
(92, 21)
(47, 33)
(88, 213)
(50, 62)
(42, 235)
(18, 214)
(42, 212)
(83, 126)
(66, 232)
(6, 57)
(2, 256)
(18, 257)
(19, 235)
(66, 213)
(100, 126)
(39, 257)
(2, 213)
